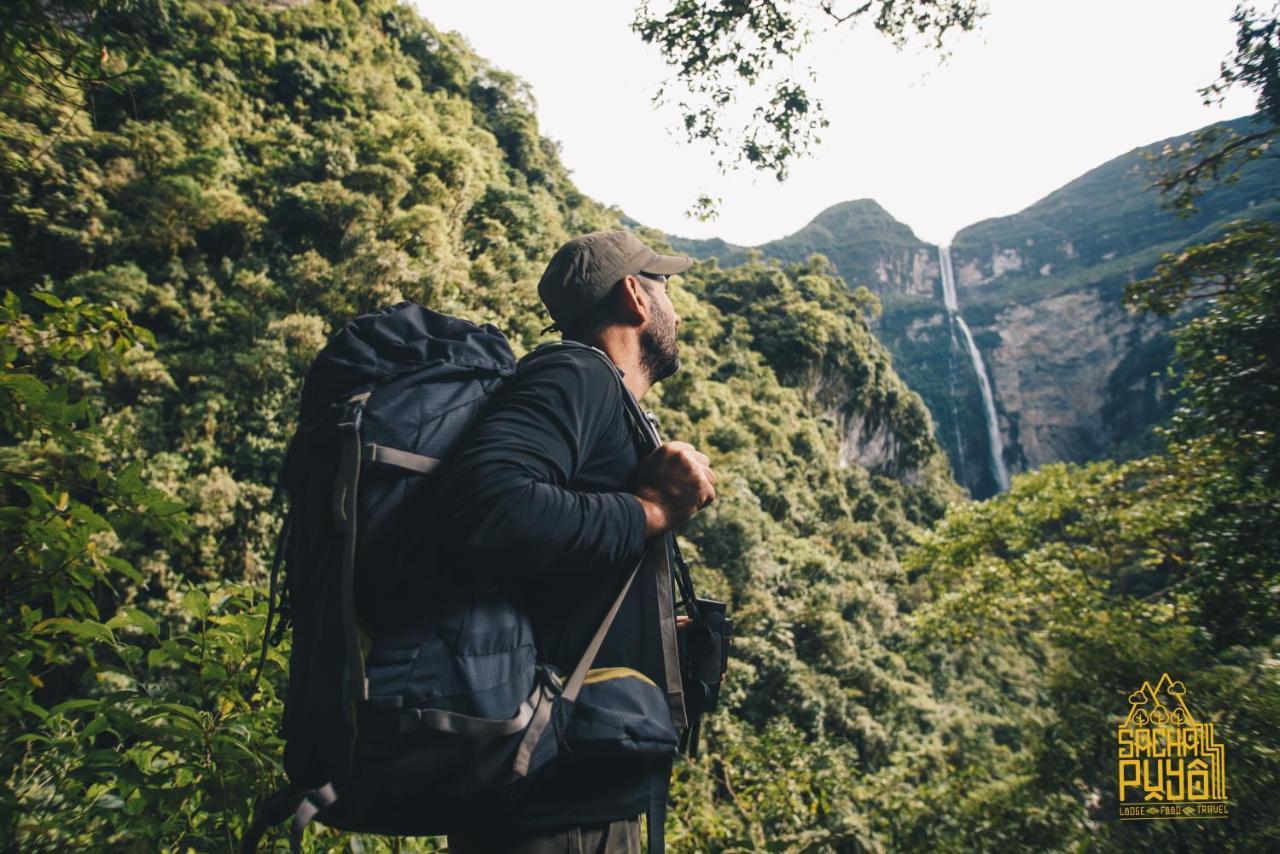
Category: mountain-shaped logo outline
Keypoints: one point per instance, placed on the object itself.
(1160, 705)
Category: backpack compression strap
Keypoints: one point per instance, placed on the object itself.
(344, 512)
(416, 463)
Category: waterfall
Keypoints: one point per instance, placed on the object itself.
(998, 468)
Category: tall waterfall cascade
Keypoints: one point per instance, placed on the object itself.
(998, 469)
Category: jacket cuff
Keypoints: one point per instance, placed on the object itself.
(635, 530)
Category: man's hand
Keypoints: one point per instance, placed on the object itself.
(673, 482)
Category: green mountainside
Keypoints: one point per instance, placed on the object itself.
(1075, 376)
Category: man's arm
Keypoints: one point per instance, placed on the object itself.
(504, 494)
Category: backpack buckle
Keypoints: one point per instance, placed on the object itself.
(352, 412)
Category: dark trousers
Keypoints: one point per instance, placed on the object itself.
(611, 837)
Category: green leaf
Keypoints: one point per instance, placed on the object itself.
(74, 706)
(129, 480)
(90, 630)
(47, 298)
(196, 602)
(97, 725)
(123, 567)
(142, 620)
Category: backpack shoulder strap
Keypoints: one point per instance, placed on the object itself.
(542, 716)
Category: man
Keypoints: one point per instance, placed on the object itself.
(549, 496)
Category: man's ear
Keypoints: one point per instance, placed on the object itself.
(635, 303)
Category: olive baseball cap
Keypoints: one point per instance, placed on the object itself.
(584, 271)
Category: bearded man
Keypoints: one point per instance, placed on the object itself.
(552, 495)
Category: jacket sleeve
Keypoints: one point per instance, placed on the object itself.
(504, 495)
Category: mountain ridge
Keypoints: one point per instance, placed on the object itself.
(897, 257)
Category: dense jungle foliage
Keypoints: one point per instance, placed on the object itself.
(203, 191)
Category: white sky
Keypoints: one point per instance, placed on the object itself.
(1046, 90)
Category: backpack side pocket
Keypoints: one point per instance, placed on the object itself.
(620, 711)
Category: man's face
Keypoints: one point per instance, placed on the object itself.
(658, 345)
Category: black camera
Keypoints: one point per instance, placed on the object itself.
(704, 656)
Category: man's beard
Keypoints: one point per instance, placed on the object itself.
(658, 348)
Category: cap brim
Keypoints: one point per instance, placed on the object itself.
(668, 265)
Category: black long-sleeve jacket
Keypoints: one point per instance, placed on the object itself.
(537, 501)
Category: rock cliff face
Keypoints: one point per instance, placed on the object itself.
(1067, 391)
(879, 431)
(874, 444)
(1075, 375)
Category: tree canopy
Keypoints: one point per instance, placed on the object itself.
(1217, 154)
(724, 53)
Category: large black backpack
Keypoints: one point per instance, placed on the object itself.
(415, 694)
